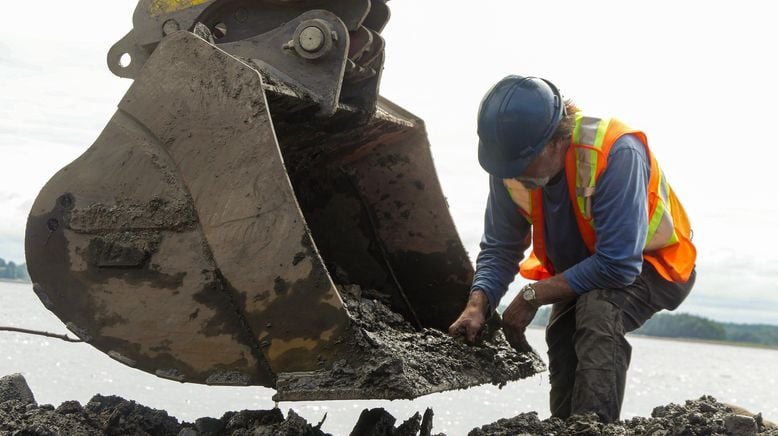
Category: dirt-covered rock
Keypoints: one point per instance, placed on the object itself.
(14, 387)
(118, 416)
(704, 416)
(379, 422)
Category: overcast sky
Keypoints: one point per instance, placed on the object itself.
(697, 77)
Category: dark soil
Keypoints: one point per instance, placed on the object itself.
(116, 416)
(405, 363)
(704, 416)
(111, 415)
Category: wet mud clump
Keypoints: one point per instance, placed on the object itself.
(401, 362)
(379, 422)
(704, 416)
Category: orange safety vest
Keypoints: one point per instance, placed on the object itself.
(668, 245)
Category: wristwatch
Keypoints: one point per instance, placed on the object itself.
(528, 294)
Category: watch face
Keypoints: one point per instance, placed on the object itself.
(529, 293)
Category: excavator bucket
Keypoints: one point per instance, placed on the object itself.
(213, 231)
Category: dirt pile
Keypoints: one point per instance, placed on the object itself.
(116, 416)
(704, 416)
(404, 363)
(111, 415)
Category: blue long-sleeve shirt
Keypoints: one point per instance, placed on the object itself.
(619, 209)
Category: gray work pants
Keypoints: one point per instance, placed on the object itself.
(588, 355)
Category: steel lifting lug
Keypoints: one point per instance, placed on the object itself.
(313, 39)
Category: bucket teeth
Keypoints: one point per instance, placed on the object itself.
(79, 332)
(228, 378)
(122, 358)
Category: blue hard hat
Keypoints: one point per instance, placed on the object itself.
(516, 119)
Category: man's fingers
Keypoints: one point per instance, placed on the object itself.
(517, 340)
(465, 328)
(508, 334)
(468, 326)
(455, 329)
(515, 336)
(472, 332)
(522, 344)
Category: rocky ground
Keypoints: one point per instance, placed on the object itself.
(20, 415)
(704, 416)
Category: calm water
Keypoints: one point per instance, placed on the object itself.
(662, 372)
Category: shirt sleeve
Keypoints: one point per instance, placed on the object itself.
(506, 237)
(620, 213)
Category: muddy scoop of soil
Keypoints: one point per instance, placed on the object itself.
(397, 362)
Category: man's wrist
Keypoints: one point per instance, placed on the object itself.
(478, 299)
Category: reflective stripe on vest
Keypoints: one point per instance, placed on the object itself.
(589, 133)
(667, 246)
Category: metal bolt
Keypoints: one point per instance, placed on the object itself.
(220, 30)
(241, 15)
(52, 224)
(311, 39)
(66, 201)
(170, 26)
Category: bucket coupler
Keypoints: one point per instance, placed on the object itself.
(330, 49)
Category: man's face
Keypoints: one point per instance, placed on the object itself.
(545, 166)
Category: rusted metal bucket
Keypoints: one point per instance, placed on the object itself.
(202, 236)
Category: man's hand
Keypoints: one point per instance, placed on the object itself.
(515, 320)
(472, 319)
(519, 314)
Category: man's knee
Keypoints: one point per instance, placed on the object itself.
(595, 313)
(599, 333)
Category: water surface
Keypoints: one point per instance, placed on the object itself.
(662, 371)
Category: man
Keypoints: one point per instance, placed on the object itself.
(611, 242)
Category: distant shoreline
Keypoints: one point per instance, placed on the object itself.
(692, 340)
(21, 282)
(710, 342)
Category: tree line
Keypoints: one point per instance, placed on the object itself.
(683, 325)
(686, 326)
(12, 271)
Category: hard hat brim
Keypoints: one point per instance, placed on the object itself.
(502, 168)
